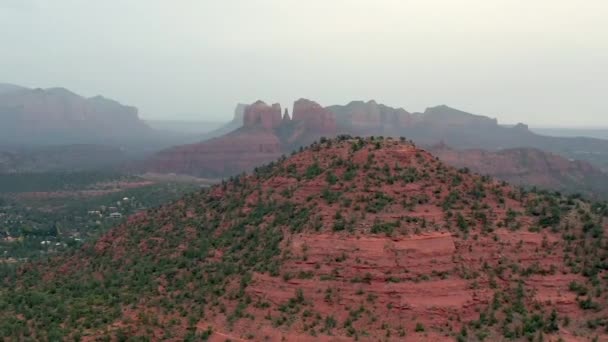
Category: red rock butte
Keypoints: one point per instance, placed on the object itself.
(314, 117)
(262, 115)
(264, 136)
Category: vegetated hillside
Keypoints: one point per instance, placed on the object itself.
(530, 167)
(369, 239)
(43, 214)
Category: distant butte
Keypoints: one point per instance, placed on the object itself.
(263, 126)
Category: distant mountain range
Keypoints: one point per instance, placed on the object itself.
(599, 133)
(266, 133)
(63, 130)
(58, 116)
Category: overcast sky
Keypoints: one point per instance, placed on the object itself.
(543, 62)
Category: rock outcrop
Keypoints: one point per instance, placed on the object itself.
(262, 115)
(239, 113)
(310, 121)
(286, 117)
(264, 136)
(371, 118)
(314, 117)
(447, 116)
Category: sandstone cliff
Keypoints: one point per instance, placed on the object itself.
(265, 134)
(56, 114)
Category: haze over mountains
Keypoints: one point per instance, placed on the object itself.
(58, 116)
(56, 129)
(105, 133)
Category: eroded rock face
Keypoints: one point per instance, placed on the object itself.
(239, 113)
(264, 136)
(286, 117)
(314, 117)
(57, 112)
(262, 115)
(62, 109)
(447, 116)
(371, 118)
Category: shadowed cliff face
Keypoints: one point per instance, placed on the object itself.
(57, 115)
(262, 115)
(371, 118)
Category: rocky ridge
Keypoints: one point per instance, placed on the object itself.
(530, 167)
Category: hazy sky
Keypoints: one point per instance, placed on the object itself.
(543, 62)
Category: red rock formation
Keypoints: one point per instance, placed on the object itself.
(58, 116)
(265, 135)
(239, 151)
(263, 115)
(314, 117)
(286, 117)
(527, 166)
(365, 114)
(371, 118)
(446, 116)
(58, 108)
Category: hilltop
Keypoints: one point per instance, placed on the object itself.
(350, 238)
